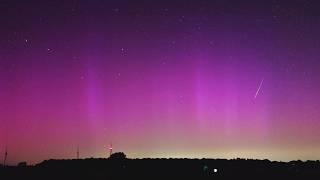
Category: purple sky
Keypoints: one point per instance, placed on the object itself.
(216, 79)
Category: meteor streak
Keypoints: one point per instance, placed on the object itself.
(255, 96)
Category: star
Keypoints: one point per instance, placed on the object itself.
(123, 51)
(117, 76)
(181, 19)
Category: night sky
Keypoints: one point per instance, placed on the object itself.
(194, 79)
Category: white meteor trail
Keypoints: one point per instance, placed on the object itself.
(255, 96)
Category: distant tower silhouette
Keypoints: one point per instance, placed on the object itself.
(110, 149)
(77, 152)
(5, 157)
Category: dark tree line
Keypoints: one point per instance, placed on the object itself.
(117, 166)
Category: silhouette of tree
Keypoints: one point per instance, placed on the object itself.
(22, 164)
(118, 156)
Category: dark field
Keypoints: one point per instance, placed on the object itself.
(163, 169)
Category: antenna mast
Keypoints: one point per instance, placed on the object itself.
(110, 149)
(5, 157)
(78, 152)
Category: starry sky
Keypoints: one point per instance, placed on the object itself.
(194, 79)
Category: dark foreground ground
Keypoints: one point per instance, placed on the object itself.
(163, 169)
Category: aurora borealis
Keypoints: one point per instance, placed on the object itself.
(215, 79)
